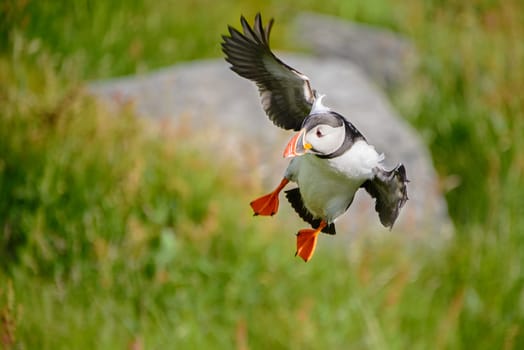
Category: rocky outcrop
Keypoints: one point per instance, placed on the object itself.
(226, 112)
(386, 57)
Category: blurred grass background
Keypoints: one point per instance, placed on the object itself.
(116, 233)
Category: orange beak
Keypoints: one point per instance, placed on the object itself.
(297, 146)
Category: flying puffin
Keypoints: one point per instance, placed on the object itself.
(330, 158)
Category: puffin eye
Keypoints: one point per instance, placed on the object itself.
(319, 133)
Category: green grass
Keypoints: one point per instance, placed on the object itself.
(117, 232)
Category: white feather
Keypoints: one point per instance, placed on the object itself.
(327, 186)
(358, 162)
(318, 107)
(325, 191)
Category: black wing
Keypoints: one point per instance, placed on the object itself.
(389, 190)
(294, 197)
(286, 94)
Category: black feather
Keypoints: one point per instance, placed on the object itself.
(286, 94)
(390, 192)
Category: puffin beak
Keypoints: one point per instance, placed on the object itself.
(297, 146)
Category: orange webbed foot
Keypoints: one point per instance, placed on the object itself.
(267, 205)
(307, 241)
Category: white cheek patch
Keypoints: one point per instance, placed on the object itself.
(331, 139)
(325, 130)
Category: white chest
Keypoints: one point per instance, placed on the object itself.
(327, 186)
(326, 193)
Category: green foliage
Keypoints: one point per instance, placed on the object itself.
(115, 232)
(110, 38)
(467, 105)
(74, 177)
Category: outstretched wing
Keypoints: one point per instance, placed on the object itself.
(286, 94)
(389, 190)
(295, 199)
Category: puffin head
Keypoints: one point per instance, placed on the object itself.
(321, 134)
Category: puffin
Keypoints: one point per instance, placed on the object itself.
(330, 159)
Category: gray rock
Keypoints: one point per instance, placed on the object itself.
(387, 57)
(226, 111)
